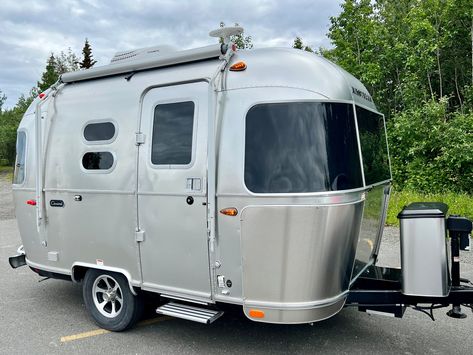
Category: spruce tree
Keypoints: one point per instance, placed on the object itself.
(50, 74)
(298, 43)
(88, 60)
(3, 98)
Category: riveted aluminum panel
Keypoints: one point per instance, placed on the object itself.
(288, 67)
(298, 257)
(174, 254)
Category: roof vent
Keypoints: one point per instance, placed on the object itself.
(141, 53)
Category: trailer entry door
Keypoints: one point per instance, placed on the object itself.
(172, 191)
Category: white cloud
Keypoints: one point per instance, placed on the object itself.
(31, 29)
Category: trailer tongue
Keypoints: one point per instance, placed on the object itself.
(424, 277)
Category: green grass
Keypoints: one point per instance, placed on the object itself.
(461, 204)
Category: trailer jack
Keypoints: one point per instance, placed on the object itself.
(459, 228)
(380, 289)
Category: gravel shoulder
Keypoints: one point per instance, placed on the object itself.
(6, 197)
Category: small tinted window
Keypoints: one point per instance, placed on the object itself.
(97, 160)
(374, 147)
(19, 175)
(102, 131)
(301, 147)
(172, 134)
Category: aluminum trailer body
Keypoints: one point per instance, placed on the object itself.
(265, 187)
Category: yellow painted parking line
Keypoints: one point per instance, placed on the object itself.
(92, 333)
(369, 242)
(96, 332)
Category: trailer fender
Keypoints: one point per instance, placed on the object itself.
(79, 269)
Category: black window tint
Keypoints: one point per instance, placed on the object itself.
(102, 131)
(172, 134)
(301, 147)
(374, 148)
(19, 175)
(97, 160)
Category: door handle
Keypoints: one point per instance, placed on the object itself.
(194, 184)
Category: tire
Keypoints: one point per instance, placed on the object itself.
(108, 299)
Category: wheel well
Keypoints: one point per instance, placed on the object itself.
(79, 271)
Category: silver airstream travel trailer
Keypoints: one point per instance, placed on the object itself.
(258, 178)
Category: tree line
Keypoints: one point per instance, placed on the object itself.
(416, 59)
(10, 118)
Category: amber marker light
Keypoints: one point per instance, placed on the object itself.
(231, 211)
(256, 313)
(238, 66)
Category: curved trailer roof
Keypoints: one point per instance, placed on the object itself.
(280, 67)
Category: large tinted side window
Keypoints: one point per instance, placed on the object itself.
(301, 147)
(19, 175)
(98, 132)
(172, 134)
(374, 147)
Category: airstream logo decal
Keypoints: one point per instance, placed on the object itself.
(361, 94)
(56, 203)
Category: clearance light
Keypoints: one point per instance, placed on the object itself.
(256, 313)
(42, 95)
(31, 202)
(238, 66)
(232, 211)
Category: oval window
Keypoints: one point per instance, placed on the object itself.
(97, 160)
(102, 131)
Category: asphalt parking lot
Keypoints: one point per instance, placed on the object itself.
(44, 317)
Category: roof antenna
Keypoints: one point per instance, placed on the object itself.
(227, 48)
(225, 33)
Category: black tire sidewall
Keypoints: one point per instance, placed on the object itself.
(131, 307)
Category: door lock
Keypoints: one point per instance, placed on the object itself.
(194, 184)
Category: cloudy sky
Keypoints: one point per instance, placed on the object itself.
(31, 29)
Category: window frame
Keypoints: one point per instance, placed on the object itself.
(300, 194)
(100, 120)
(98, 171)
(25, 171)
(194, 133)
(383, 182)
